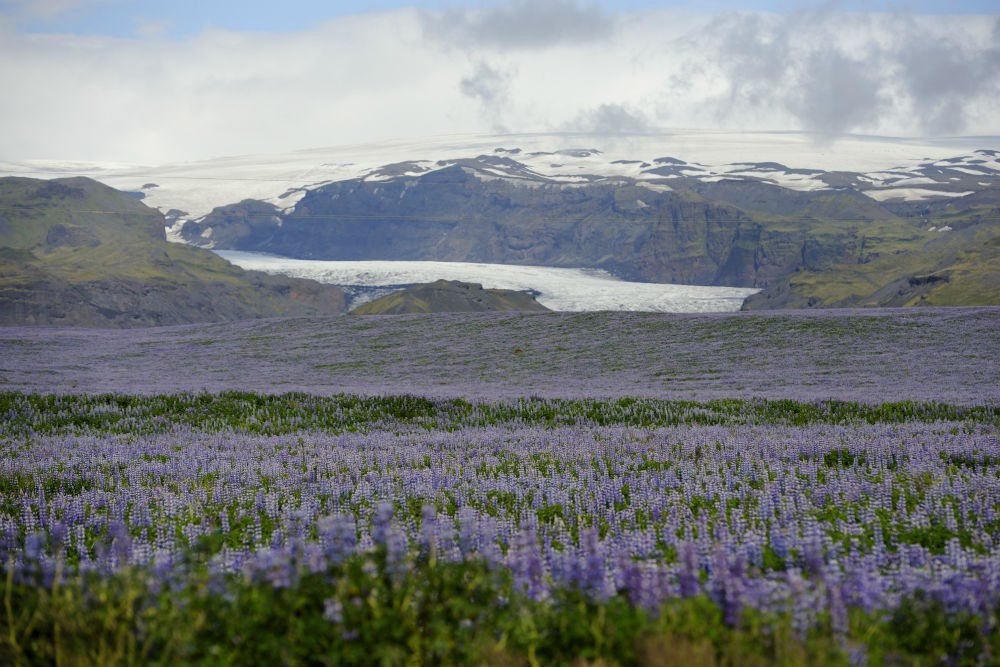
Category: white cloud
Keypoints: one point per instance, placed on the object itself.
(405, 73)
(355, 79)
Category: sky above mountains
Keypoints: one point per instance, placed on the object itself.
(154, 82)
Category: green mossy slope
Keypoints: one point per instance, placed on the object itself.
(76, 252)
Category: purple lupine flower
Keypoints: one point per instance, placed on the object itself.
(428, 538)
(813, 555)
(526, 564)
(734, 589)
(338, 535)
(718, 584)
(488, 536)
(58, 532)
(803, 610)
(121, 542)
(857, 655)
(273, 566)
(8, 544)
(313, 558)
(333, 610)
(468, 532)
(778, 542)
(629, 580)
(381, 522)
(34, 547)
(838, 611)
(397, 548)
(277, 539)
(594, 570)
(687, 575)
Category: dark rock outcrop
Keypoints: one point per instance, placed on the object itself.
(449, 296)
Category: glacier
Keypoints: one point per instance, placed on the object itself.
(559, 289)
(282, 179)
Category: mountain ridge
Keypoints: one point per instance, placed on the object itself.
(744, 231)
(194, 189)
(806, 236)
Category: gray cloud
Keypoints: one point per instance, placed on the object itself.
(609, 120)
(756, 56)
(941, 77)
(487, 84)
(835, 73)
(520, 24)
(834, 93)
(490, 87)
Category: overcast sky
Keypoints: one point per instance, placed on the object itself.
(150, 81)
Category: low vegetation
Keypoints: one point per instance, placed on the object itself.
(242, 528)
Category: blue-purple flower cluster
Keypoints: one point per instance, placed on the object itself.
(811, 519)
(868, 355)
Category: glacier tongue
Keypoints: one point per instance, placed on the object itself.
(560, 289)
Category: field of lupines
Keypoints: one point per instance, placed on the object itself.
(169, 523)
(944, 354)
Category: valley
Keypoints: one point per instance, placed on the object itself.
(865, 222)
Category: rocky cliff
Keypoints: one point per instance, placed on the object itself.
(841, 241)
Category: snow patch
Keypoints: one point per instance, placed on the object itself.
(970, 172)
(173, 232)
(912, 181)
(283, 179)
(784, 179)
(912, 194)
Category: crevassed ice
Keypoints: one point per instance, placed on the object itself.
(574, 290)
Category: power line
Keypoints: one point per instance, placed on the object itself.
(20, 207)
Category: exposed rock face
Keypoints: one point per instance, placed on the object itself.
(456, 214)
(70, 235)
(828, 247)
(803, 236)
(449, 296)
(75, 252)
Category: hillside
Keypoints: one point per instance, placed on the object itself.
(76, 252)
(449, 296)
(865, 221)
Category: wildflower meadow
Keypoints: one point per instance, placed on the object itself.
(416, 523)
